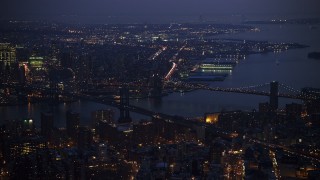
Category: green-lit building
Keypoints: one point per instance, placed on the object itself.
(37, 68)
(36, 63)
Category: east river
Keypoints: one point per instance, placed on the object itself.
(291, 68)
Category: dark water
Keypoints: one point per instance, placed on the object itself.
(291, 68)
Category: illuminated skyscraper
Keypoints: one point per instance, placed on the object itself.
(8, 65)
(37, 69)
(7, 54)
(36, 63)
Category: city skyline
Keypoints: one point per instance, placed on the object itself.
(121, 89)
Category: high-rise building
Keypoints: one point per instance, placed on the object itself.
(37, 68)
(54, 53)
(105, 115)
(264, 107)
(109, 132)
(7, 54)
(274, 95)
(47, 124)
(83, 68)
(217, 150)
(26, 145)
(22, 54)
(101, 130)
(21, 128)
(11, 73)
(8, 64)
(22, 74)
(293, 110)
(66, 60)
(103, 152)
(143, 133)
(84, 138)
(211, 118)
(72, 124)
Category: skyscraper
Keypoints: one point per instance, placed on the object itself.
(105, 115)
(84, 138)
(7, 54)
(47, 124)
(67, 60)
(72, 124)
(7, 62)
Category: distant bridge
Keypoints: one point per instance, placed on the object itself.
(266, 89)
(274, 88)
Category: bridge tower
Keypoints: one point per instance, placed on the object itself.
(156, 83)
(124, 103)
(274, 91)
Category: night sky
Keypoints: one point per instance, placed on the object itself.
(55, 9)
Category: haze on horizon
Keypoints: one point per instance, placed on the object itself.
(157, 10)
